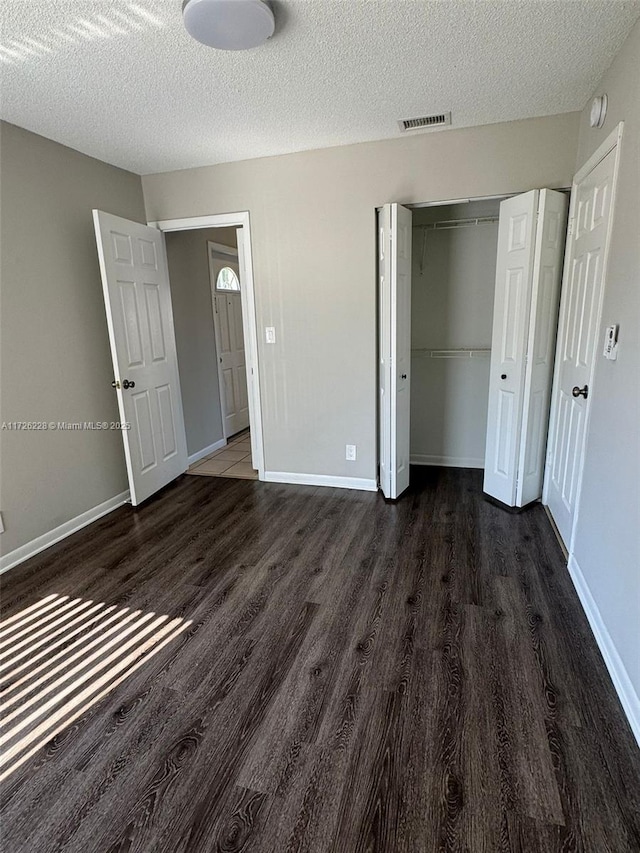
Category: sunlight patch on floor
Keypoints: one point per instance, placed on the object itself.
(60, 656)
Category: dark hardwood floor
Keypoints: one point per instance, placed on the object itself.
(343, 675)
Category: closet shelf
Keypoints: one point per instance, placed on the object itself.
(462, 352)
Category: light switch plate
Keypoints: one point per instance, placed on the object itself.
(270, 334)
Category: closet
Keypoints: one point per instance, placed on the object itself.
(452, 294)
(468, 306)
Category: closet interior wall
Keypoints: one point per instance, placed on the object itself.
(453, 282)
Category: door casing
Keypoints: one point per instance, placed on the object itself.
(239, 219)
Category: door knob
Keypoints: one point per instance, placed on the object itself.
(126, 384)
(581, 392)
(115, 384)
(503, 376)
(403, 376)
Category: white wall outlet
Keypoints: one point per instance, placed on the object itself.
(351, 453)
(1, 523)
(270, 334)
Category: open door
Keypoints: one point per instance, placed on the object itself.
(394, 271)
(543, 321)
(592, 210)
(528, 272)
(135, 283)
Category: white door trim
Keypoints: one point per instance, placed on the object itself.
(612, 141)
(239, 219)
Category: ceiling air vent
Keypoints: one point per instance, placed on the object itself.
(424, 122)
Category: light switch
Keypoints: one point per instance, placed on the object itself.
(270, 334)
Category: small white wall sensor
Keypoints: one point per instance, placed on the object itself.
(611, 342)
(598, 110)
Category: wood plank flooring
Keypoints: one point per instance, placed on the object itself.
(349, 675)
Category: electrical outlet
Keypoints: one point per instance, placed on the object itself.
(351, 453)
(270, 334)
(1, 523)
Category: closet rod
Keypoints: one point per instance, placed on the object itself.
(460, 352)
(456, 223)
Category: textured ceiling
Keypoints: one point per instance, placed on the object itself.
(124, 82)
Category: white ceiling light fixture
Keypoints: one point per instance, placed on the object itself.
(229, 24)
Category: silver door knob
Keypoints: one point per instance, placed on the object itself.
(581, 392)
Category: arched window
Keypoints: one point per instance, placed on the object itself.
(227, 280)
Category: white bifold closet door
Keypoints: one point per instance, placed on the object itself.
(531, 240)
(394, 272)
(137, 298)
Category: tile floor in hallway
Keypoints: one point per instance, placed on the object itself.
(233, 460)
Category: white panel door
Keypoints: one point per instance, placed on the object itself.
(514, 273)
(545, 296)
(232, 368)
(591, 209)
(394, 269)
(135, 283)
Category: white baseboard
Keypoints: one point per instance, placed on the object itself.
(30, 549)
(446, 461)
(206, 451)
(359, 483)
(624, 688)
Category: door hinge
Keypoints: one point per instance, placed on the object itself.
(570, 228)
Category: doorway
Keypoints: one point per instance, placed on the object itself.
(206, 286)
(229, 267)
(452, 296)
(469, 294)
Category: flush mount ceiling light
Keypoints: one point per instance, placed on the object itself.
(229, 24)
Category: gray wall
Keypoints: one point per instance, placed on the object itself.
(56, 364)
(608, 531)
(314, 253)
(195, 337)
(453, 284)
